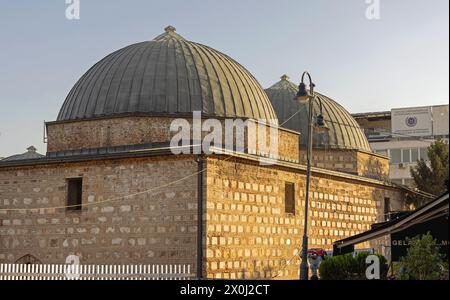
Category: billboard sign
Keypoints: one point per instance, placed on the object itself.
(412, 121)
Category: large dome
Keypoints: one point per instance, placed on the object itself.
(167, 76)
(344, 133)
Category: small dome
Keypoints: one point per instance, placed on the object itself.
(167, 76)
(30, 154)
(344, 133)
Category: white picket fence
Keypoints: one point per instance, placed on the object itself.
(94, 272)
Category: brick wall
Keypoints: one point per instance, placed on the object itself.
(88, 134)
(120, 131)
(158, 227)
(350, 161)
(248, 233)
(373, 166)
(288, 143)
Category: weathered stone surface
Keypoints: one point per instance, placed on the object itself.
(124, 225)
(263, 237)
(247, 233)
(350, 161)
(134, 130)
(107, 133)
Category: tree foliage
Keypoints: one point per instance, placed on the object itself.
(423, 261)
(432, 176)
(347, 267)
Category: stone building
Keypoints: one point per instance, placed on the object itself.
(111, 190)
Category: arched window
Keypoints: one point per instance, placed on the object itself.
(28, 260)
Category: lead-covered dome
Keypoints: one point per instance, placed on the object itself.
(167, 76)
(344, 133)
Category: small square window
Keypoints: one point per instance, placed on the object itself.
(74, 194)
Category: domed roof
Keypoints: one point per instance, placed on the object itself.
(30, 154)
(167, 76)
(344, 133)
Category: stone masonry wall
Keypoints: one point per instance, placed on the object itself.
(248, 232)
(158, 227)
(333, 159)
(350, 161)
(120, 131)
(88, 134)
(373, 166)
(288, 143)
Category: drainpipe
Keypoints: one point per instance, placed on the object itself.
(200, 184)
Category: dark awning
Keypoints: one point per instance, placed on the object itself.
(429, 211)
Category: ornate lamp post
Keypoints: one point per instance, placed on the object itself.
(314, 122)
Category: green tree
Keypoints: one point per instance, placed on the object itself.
(347, 267)
(423, 261)
(337, 267)
(432, 176)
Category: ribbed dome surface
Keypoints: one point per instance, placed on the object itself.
(344, 133)
(167, 76)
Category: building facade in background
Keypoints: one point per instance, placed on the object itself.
(404, 134)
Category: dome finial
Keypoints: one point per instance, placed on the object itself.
(169, 33)
(169, 29)
(32, 149)
(285, 77)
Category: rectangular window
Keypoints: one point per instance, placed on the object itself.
(74, 194)
(414, 155)
(387, 208)
(396, 156)
(424, 154)
(289, 198)
(406, 156)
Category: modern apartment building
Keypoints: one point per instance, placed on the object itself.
(404, 134)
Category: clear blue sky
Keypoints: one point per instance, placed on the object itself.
(400, 60)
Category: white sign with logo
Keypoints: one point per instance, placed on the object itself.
(412, 121)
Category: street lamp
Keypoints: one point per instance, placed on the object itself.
(303, 97)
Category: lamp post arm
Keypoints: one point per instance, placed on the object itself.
(312, 97)
(306, 73)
